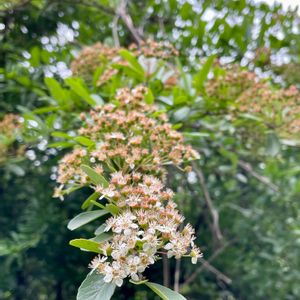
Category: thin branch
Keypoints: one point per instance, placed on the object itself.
(265, 180)
(120, 12)
(166, 271)
(126, 18)
(115, 31)
(214, 213)
(177, 275)
(193, 276)
(214, 270)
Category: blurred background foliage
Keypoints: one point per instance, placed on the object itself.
(242, 196)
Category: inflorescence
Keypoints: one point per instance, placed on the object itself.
(132, 144)
(10, 127)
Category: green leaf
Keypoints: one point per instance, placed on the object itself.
(195, 134)
(100, 229)
(87, 202)
(94, 176)
(84, 141)
(273, 144)
(61, 134)
(35, 56)
(57, 92)
(113, 209)
(182, 113)
(102, 237)
(164, 292)
(61, 145)
(86, 245)
(250, 117)
(149, 98)
(138, 282)
(45, 109)
(134, 64)
(202, 74)
(17, 170)
(94, 288)
(98, 99)
(78, 87)
(85, 218)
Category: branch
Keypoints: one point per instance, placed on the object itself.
(177, 275)
(214, 213)
(121, 11)
(115, 31)
(218, 273)
(265, 180)
(193, 276)
(166, 271)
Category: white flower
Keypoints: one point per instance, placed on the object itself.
(195, 254)
(135, 277)
(118, 282)
(96, 262)
(168, 246)
(194, 260)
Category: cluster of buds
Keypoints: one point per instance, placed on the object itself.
(110, 60)
(9, 128)
(278, 108)
(150, 48)
(92, 57)
(231, 84)
(132, 144)
(128, 136)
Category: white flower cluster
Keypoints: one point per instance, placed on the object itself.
(142, 231)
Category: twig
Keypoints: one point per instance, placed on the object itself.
(126, 18)
(193, 276)
(248, 168)
(218, 273)
(177, 275)
(166, 271)
(115, 31)
(119, 12)
(214, 213)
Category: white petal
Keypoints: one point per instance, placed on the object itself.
(119, 282)
(194, 260)
(135, 277)
(107, 278)
(168, 246)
